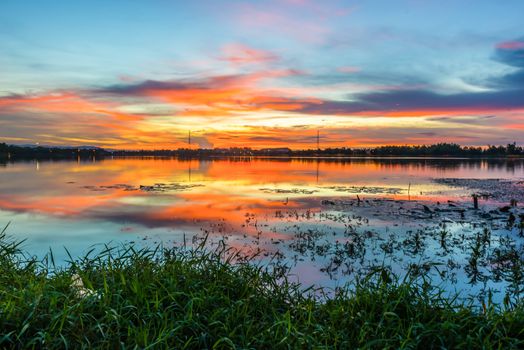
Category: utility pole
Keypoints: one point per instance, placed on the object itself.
(189, 138)
(318, 140)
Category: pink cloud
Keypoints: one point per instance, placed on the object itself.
(321, 8)
(257, 18)
(242, 54)
(511, 45)
(348, 69)
(297, 2)
(307, 21)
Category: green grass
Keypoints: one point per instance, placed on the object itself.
(197, 299)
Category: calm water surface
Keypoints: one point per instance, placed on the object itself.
(273, 205)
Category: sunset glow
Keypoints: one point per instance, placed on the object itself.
(141, 75)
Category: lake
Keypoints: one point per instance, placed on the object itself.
(329, 220)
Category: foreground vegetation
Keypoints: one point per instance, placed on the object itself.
(176, 298)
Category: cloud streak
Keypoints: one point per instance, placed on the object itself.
(239, 54)
(265, 107)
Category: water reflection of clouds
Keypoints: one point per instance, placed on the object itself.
(231, 187)
(305, 208)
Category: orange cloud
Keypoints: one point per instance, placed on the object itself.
(237, 110)
(221, 95)
(64, 102)
(515, 126)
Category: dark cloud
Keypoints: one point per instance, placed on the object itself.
(506, 94)
(510, 81)
(407, 100)
(141, 88)
(150, 85)
(10, 97)
(210, 83)
(511, 53)
(427, 134)
(464, 120)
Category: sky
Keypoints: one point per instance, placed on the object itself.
(131, 74)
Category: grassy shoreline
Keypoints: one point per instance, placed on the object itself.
(174, 298)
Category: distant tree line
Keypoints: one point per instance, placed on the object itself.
(449, 150)
(29, 152)
(437, 150)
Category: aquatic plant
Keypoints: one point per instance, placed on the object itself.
(443, 236)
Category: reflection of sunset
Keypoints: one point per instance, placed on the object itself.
(227, 189)
(305, 211)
